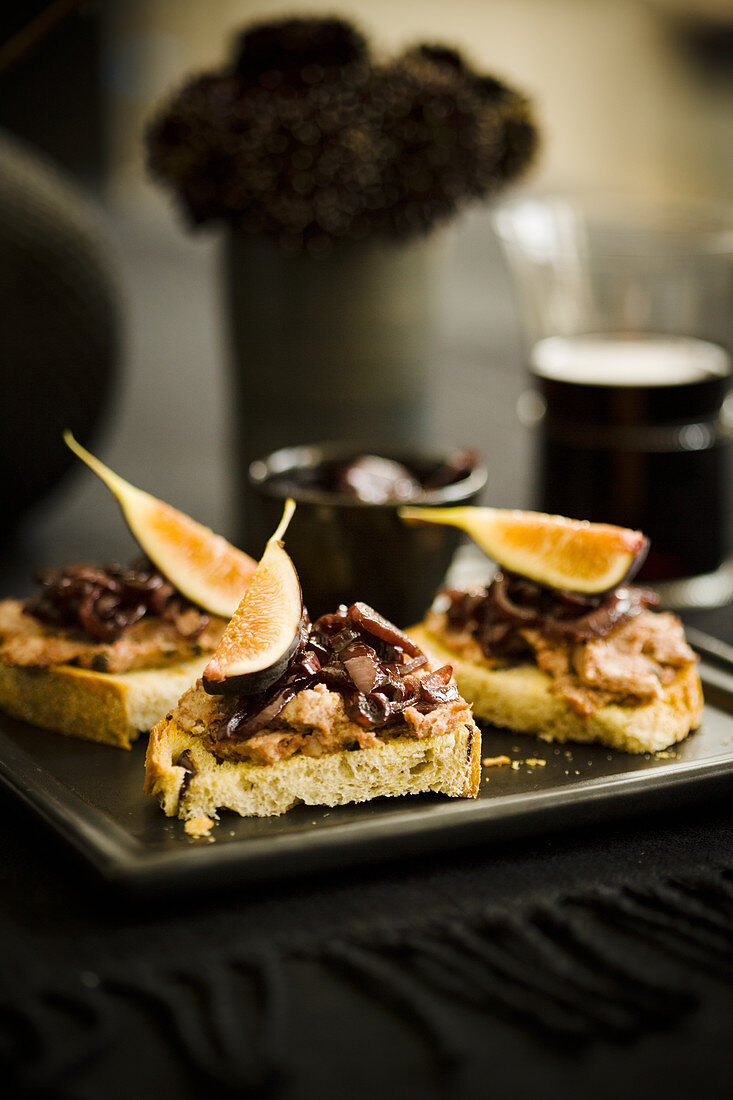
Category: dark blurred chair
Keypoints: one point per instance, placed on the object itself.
(60, 322)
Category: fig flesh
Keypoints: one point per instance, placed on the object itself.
(203, 566)
(560, 553)
(266, 630)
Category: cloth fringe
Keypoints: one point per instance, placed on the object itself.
(226, 1020)
(611, 964)
(53, 1036)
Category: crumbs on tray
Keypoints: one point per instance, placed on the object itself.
(499, 761)
(199, 826)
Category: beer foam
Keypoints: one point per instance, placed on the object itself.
(613, 359)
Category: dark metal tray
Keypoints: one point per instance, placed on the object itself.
(92, 795)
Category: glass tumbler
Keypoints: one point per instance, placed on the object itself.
(627, 310)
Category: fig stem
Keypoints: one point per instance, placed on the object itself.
(112, 480)
(452, 517)
(282, 526)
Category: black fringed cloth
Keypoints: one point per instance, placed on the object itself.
(570, 965)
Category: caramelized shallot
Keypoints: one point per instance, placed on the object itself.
(375, 624)
(104, 600)
(497, 615)
(368, 660)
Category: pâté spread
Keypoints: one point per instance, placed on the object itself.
(610, 648)
(354, 682)
(109, 618)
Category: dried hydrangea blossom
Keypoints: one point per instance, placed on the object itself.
(305, 139)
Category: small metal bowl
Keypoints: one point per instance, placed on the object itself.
(346, 549)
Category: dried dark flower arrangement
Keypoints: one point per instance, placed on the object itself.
(306, 139)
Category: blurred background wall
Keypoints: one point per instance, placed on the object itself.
(630, 93)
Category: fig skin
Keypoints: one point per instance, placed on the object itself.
(276, 578)
(561, 560)
(221, 572)
(252, 683)
(634, 566)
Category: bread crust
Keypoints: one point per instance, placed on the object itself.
(111, 708)
(448, 763)
(520, 699)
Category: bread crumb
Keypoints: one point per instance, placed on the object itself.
(666, 755)
(515, 765)
(495, 761)
(199, 826)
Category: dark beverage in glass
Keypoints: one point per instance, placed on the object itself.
(633, 432)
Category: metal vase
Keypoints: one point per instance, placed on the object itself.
(327, 348)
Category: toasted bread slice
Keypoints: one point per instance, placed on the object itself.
(112, 708)
(520, 698)
(198, 787)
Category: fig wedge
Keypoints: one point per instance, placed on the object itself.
(264, 632)
(570, 554)
(203, 566)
